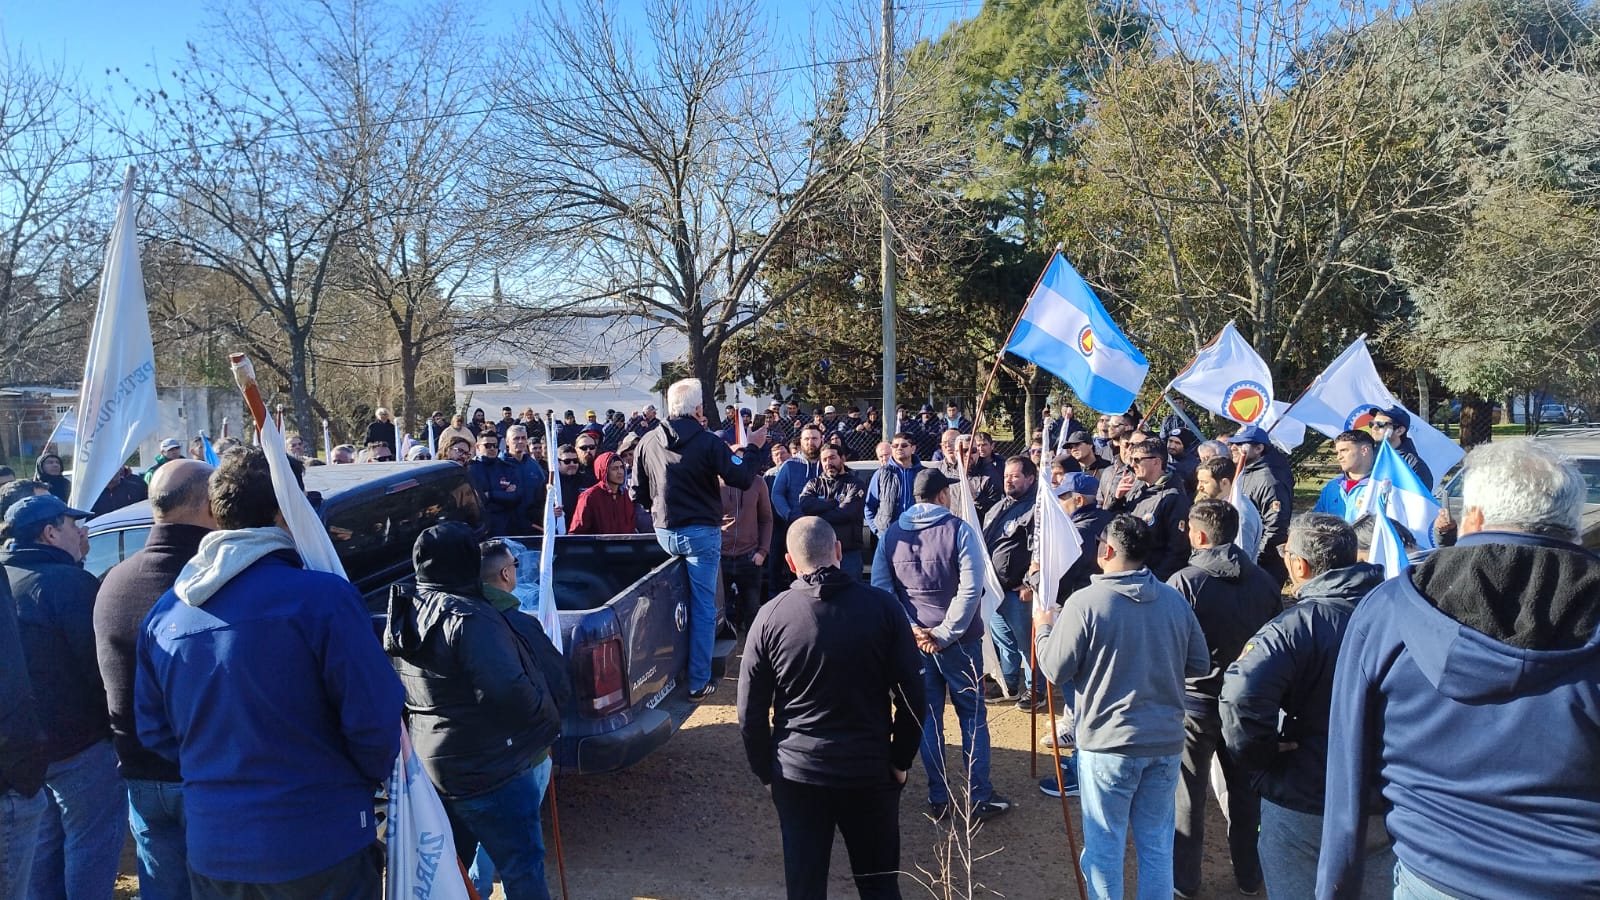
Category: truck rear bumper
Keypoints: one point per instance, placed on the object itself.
(617, 749)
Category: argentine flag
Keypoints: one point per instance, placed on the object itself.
(1387, 550)
(1397, 492)
(1065, 331)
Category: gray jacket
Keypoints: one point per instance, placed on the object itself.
(1125, 643)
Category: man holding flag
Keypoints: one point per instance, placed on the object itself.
(281, 757)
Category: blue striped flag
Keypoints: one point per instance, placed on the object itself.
(209, 451)
(1067, 332)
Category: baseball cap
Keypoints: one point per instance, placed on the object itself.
(926, 409)
(928, 485)
(829, 409)
(1397, 414)
(1078, 483)
(629, 442)
(41, 509)
(589, 413)
(1078, 437)
(1250, 434)
(171, 444)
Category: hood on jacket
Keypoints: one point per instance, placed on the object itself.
(38, 465)
(680, 430)
(601, 464)
(1346, 585)
(447, 558)
(1225, 562)
(1140, 585)
(826, 581)
(223, 555)
(1502, 614)
(922, 515)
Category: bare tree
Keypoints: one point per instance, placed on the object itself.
(53, 221)
(666, 174)
(263, 145)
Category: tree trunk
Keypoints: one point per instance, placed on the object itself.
(410, 360)
(299, 390)
(1477, 421)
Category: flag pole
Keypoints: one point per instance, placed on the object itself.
(977, 416)
(1061, 788)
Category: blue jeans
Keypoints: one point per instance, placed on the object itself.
(1407, 886)
(958, 671)
(81, 833)
(1118, 793)
(1291, 842)
(19, 834)
(506, 822)
(155, 813)
(1012, 627)
(701, 549)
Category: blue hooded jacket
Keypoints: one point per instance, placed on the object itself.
(1468, 690)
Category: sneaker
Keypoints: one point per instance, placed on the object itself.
(1028, 701)
(1048, 742)
(703, 693)
(1068, 786)
(1251, 892)
(990, 808)
(938, 812)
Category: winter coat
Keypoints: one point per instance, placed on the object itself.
(1231, 597)
(842, 502)
(676, 470)
(55, 621)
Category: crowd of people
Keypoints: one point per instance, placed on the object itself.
(1363, 735)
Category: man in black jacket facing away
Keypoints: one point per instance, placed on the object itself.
(1231, 597)
(484, 691)
(823, 666)
(181, 509)
(676, 479)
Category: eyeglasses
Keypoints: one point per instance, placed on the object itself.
(1135, 460)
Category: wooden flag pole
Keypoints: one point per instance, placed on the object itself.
(1061, 788)
(977, 415)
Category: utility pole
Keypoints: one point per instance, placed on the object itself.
(886, 244)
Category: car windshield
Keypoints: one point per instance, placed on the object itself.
(1590, 467)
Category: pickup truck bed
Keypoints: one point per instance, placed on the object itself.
(624, 605)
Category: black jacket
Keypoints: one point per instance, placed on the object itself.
(1232, 598)
(1008, 536)
(22, 761)
(1288, 665)
(830, 689)
(384, 432)
(125, 488)
(1091, 523)
(55, 617)
(126, 595)
(841, 502)
(676, 472)
(1272, 498)
(1165, 508)
(484, 689)
(1408, 452)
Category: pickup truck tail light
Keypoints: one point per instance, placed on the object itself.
(602, 689)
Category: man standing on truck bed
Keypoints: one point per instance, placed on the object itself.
(676, 479)
(820, 661)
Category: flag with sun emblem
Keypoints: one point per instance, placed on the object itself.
(1229, 378)
(1066, 331)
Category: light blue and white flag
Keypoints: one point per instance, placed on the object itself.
(1387, 550)
(208, 450)
(117, 401)
(1067, 332)
(1396, 492)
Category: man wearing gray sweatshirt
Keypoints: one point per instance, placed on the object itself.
(1125, 643)
(932, 562)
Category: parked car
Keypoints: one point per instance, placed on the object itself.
(1554, 414)
(624, 602)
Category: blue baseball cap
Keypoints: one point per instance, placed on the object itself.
(39, 510)
(1078, 483)
(1250, 434)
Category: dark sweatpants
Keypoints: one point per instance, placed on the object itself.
(1202, 739)
(356, 877)
(869, 820)
(741, 590)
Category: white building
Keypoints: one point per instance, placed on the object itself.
(570, 362)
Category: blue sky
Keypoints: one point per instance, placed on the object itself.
(91, 36)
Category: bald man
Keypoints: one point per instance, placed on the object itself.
(837, 658)
(182, 514)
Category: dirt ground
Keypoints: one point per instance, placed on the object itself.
(692, 823)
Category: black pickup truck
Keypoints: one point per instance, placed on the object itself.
(623, 600)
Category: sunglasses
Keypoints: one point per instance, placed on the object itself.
(1383, 426)
(586, 446)
(570, 462)
(1135, 460)
(900, 445)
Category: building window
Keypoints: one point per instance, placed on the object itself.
(487, 376)
(580, 373)
(63, 410)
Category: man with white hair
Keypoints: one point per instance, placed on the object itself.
(381, 431)
(676, 479)
(1468, 692)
